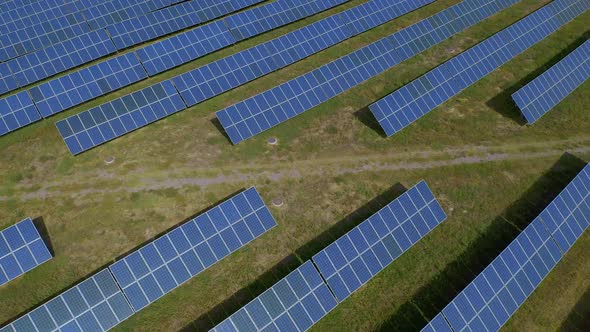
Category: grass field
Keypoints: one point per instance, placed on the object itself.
(332, 168)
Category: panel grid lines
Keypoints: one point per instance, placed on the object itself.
(164, 264)
(17, 111)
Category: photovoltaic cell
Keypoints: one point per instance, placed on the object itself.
(87, 83)
(103, 123)
(550, 88)
(17, 111)
(34, 37)
(164, 264)
(103, 14)
(96, 304)
(33, 13)
(275, 14)
(21, 250)
(266, 110)
(438, 324)
(397, 110)
(7, 82)
(170, 19)
(184, 47)
(496, 293)
(352, 260)
(60, 57)
(294, 303)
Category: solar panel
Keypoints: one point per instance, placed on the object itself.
(496, 293)
(87, 83)
(397, 110)
(294, 303)
(32, 14)
(7, 82)
(160, 266)
(438, 324)
(60, 57)
(103, 123)
(184, 47)
(96, 304)
(266, 110)
(21, 250)
(34, 37)
(568, 216)
(353, 259)
(275, 14)
(17, 111)
(547, 90)
(103, 14)
(170, 19)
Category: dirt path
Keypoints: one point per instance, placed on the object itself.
(105, 182)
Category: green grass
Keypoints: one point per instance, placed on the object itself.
(328, 167)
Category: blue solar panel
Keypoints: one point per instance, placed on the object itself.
(33, 13)
(164, 264)
(495, 294)
(266, 110)
(17, 111)
(295, 303)
(87, 83)
(103, 123)
(374, 13)
(34, 37)
(96, 304)
(182, 48)
(275, 14)
(568, 216)
(170, 19)
(438, 324)
(550, 88)
(103, 14)
(397, 110)
(7, 81)
(60, 57)
(352, 260)
(21, 250)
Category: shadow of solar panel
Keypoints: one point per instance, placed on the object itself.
(87, 83)
(34, 37)
(17, 111)
(266, 110)
(294, 303)
(275, 14)
(160, 266)
(399, 109)
(60, 57)
(568, 215)
(547, 90)
(96, 304)
(7, 81)
(374, 13)
(182, 48)
(170, 19)
(33, 13)
(503, 286)
(21, 250)
(106, 122)
(353, 259)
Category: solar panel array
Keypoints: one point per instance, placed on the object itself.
(7, 81)
(230, 72)
(88, 83)
(294, 303)
(550, 88)
(33, 13)
(170, 19)
(266, 110)
(17, 111)
(21, 250)
(401, 108)
(162, 265)
(496, 293)
(96, 304)
(34, 37)
(352, 260)
(103, 14)
(103, 123)
(60, 57)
